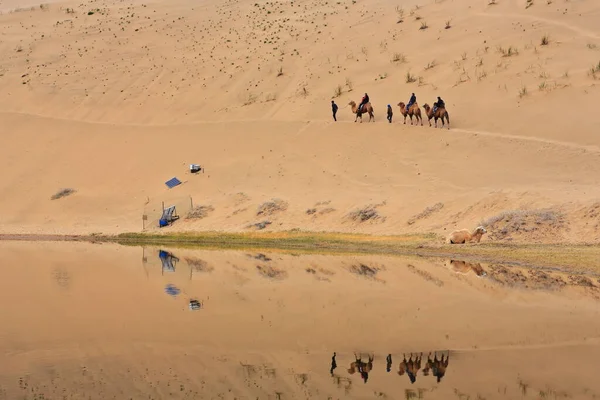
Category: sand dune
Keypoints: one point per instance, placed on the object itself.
(112, 99)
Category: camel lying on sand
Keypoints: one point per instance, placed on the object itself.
(367, 108)
(413, 110)
(440, 113)
(464, 236)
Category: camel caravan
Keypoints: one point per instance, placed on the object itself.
(411, 367)
(410, 110)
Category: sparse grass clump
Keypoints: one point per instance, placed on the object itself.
(349, 84)
(250, 99)
(545, 40)
(367, 213)
(400, 12)
(423, 26)
(410, 78)
(199, 212)
(426, 213)
(448, 25)
(505, 225)
(337, 92)
(271, 207)
(62, 193)
(383, 76)
(430, 65)
(523, 92)
(399, 58)
(280, 71)
(508, 52)
(594, 70)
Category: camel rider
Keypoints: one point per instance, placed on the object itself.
(364, 101)
(439, 103)
(413, 100)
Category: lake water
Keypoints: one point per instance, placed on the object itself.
(102, 321)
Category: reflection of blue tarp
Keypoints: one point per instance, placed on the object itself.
(167, 259)
(172, 290)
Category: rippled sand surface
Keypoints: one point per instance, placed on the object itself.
(90, 321)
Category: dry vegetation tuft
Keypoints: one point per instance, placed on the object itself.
(426, 213)
(507, 224)
(62, 193)
(199, 212)
(367, 213)
(271, 207)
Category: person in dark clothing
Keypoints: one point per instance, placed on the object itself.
(334, 108)
(439, 103)
(364, 101)
(390, 113)
(388, 360)
(333, 364)
(413, 100)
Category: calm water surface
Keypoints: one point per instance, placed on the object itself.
(91, 321)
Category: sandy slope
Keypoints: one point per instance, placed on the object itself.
(115, 103)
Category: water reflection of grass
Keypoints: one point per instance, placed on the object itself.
(580, 257)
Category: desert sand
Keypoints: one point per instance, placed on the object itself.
(112, 99)
(94, 321)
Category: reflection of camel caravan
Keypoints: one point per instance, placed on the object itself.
(412, 367)
(362, 367)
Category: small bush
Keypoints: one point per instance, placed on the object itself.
(448, 25)
(509, 52)
(280, 71)
(545, 40)
(424, 26)
(272, 207)
(426, 213)
(337, 92)
(250, 99)
(367, 213)
(62, 193)
(594, 70)
(410, 78)
(399, 58)
(199, 212)
(430, 65)
(349, 84)
(523, 92)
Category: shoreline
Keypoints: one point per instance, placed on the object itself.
(572, 257)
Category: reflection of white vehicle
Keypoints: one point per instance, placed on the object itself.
(195, 305)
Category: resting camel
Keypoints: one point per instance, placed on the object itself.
(414, 110)
(367, 108)
(440, 113)
(362, 367)
(464, 236)
(464, 267)
(437, 366)
(410, 367)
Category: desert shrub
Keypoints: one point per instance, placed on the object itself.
(62, 193)
(199, 212)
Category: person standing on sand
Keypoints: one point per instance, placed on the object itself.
(333, 363)
(334, 109)
(390, 113)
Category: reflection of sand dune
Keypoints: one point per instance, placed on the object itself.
(255, 335)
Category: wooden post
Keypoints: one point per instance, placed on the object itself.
(191, 203)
